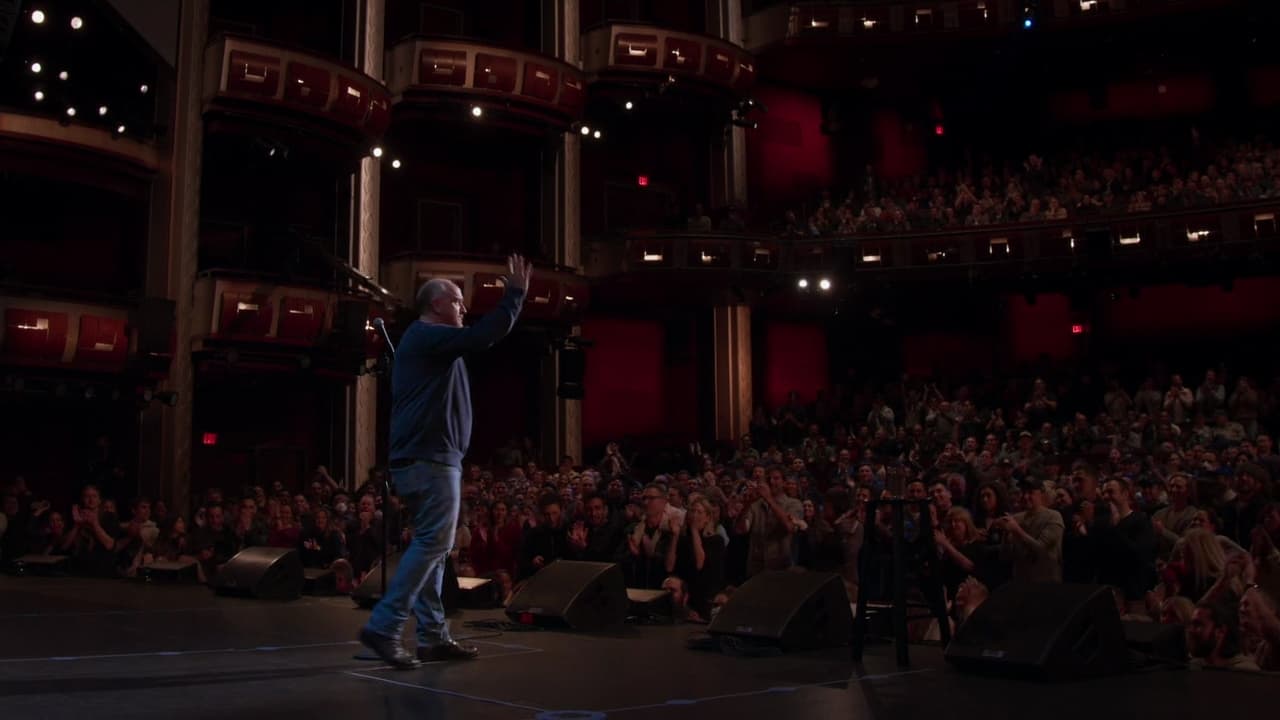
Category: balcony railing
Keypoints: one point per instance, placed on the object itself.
(890, 21)
(239, 312)
(53, 332)
(290, 86)
(645, 53)
(425, 72)
(557, 295)
(1221, 232)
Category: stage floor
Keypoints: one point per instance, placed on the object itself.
(74, 648)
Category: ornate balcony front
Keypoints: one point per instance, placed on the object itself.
(557, 296)
(81, 336)
(260, 323)
(260, 83)
(653, 57)
(1200, 244)
(895, 21)
(455, 78)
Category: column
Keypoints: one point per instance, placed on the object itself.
(731, 330)
(364, 396)
(164, 432)
(728, 158)
(561, 419)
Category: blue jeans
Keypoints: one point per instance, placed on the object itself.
(431, 493)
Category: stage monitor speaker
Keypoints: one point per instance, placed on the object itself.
(579, 595)
(262, 572)
(1043, 631)
(790, 609)
(369, 592)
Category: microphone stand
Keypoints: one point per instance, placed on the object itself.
(387, 359)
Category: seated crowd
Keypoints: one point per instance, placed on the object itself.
(1067, 186)
(1165, 495)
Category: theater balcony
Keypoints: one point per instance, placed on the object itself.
(626, 58)
(557, 297)
(252, 322)
(893, 22)
(461, 80)
(85, 336)
(1205, 245)
(262, 88)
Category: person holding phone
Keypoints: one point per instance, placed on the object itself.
(430, 434)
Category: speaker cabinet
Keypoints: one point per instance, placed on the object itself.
(793, 610)
(262, 572)
(578, 595)
(1043, 631)
(452, 596)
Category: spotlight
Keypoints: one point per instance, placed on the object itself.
(476, 111)
(377, 152)
(63, 75)
(39, 95)
(1027, 23)
(36, 68)
(585, 130)
(824, 284)
(37, 17)
(71, 112)
(629, 105)
(144, 89)
(77, 22)
(102, 109)
(395, 164)
(120, 129)
(597, 134)
(802, 283)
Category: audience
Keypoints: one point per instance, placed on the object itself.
(1072, 185)
(1039, 479)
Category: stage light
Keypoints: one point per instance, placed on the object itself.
(209, 439)
(597, 134)
(1027, 23)
(585, 130)
(395, 164)
(377, 152)
(802, 283)
(36, 68)
(102, 109)
(71, 112)
(642, 180)
(1077, 329)
(476, 111)
(939, 130)
(629, 105)
(824, 284)
(144, 89)
(77, 22)
(39, 95)
(63, 75)
(120, 129)
(37, 17)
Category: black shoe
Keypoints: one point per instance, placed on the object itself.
(387, 649)
(447, 651)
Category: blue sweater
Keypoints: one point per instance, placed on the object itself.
(430, 393)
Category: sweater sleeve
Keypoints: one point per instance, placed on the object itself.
(491, 328)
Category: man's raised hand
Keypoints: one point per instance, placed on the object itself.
(519, 271)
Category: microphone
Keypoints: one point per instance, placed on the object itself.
(382, 327)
